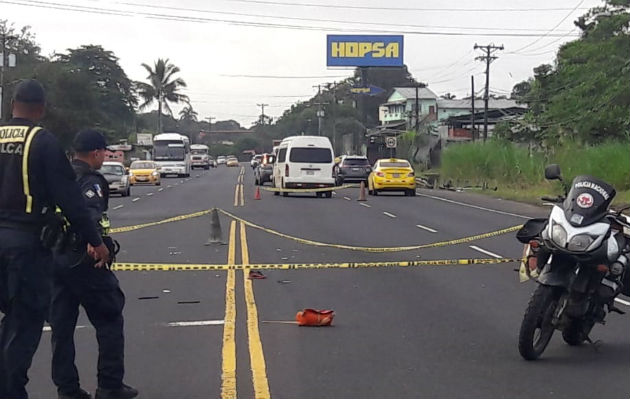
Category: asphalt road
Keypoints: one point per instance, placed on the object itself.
(417, 332)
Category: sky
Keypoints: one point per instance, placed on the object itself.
(237, 54)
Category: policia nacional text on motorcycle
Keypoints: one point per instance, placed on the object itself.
(35, 176)
(76, 282)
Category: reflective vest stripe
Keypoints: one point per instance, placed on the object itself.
(25, 182)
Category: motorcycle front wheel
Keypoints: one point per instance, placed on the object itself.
(537, 328)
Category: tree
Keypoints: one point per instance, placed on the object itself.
(584, 96)
(20, 42)
(448, 96)
(187, 114)
(164, 87)
(115, 98)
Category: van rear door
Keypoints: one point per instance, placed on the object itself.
(311, 163)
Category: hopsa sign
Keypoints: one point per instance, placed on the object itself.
(364, 50)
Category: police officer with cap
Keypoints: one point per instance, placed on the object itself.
(35, 178)
(94, 288)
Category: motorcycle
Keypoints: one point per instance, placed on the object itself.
(580, 258)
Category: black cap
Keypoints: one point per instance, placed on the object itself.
(88, 140)
(29, 91)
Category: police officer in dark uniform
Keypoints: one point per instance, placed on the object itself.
(35, 177)
(96, 289)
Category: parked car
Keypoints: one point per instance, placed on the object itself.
(256, 160)
(117, 178)
(304, 162)
(392, 174)
(232, 162)
(144, 171)
(221, 160)
(352, 169)
(264, 170)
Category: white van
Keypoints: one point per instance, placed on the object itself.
(304, 162)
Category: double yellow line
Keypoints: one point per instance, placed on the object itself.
(256, 354)
(238, 190)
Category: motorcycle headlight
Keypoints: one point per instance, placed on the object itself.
(580, 242)
(130, 173)
(558, 235)
(155, 173)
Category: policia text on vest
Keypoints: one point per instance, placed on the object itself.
(12, 139)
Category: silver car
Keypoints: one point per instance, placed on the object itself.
(117, 178)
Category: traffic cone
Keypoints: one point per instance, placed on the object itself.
(257, 195)
(362, 192)
(311, 317)
(215, 229)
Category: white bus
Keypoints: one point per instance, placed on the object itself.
(171, 152)
(200, 156)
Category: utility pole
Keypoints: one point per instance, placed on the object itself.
(417, 125)
(5, 61)
(472, 102)
(209, 119)
(333, 89)
(320, 111)
(488, 58)
(262, 114)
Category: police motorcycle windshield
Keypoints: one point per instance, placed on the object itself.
(588, 200)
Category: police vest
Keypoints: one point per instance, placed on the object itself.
(16, 180)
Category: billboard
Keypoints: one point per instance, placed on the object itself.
(364, 50)
(145, 139)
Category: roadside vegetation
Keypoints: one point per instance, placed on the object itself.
(516, 174)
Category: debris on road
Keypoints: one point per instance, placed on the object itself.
(312, 317)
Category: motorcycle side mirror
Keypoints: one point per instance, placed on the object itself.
(552, 171)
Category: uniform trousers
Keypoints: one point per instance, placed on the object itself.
(25, 269)
(98, 292)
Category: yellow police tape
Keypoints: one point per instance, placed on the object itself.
(375, 249)
(321, 244)
(164, 221)
(385, 264)
(324, 189)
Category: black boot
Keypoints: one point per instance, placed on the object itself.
(77, 393)
(123, 392)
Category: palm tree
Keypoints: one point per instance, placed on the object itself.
(164, 88)
(188, 114)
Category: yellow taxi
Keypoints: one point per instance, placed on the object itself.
(392, 174)
(232, 162)
(144, 171)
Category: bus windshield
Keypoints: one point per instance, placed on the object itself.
(198, 151)
(168, 152)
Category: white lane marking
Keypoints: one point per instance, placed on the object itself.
(197, 323)
(169, 186)
(347, 198)
(136, 199)
(47, 328)
(491, 254)
(149, 194)
(473, 206)
(118, 207)
(160, 189)
(624, 302)
(389, 215)
(426, 228)
(365, 205)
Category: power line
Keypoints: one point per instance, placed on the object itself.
(177, 18)
(282, 76)
(398, 8)
(371, 23)
(552, 29)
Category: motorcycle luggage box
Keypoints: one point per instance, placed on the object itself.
(531, 230)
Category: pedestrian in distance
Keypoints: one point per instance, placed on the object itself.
(78, 280)
(35, 177)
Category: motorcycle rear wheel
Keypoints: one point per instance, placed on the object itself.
(536, 328)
